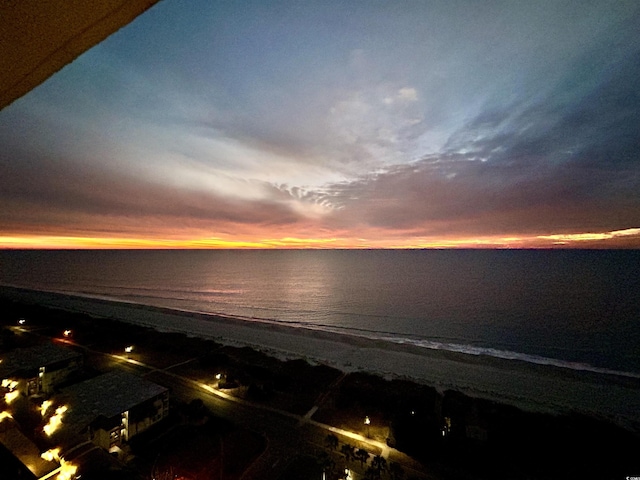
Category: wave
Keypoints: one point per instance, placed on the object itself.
(162, 294)
(432, 343)
(467, 349)
(511, 355)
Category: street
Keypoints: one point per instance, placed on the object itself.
(288, 435)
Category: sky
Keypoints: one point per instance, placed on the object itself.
(332, 124)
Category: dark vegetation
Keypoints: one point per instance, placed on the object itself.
(460, 436)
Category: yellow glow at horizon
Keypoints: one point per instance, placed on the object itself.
(581, 237)
(377, 240)
(64, 242)
(55, 421)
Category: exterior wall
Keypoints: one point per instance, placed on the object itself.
(132, 422)
(24, 385)
(45, 379)
(155, 410)
(53, 378)
(101, 438)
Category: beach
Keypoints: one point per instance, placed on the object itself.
(528, 386)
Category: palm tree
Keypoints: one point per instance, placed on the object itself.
(362, 455)
(326, 463)
(379, 463)
(331, 441)
(348, 451)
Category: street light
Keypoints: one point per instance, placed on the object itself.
(128, 348)
(67, 333)
(367, 422)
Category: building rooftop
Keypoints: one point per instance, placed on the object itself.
(24, 449)
(22, 359)
(107, 395)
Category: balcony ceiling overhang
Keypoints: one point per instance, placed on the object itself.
(39, 37)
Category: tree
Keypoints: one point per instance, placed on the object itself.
(371, 474)
(379, 463)
(348, 451)
(362, 455)
(326, 463)
(331, 441)
(396, 472)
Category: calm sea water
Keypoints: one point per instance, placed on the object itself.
(573, 308)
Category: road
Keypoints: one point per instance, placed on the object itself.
(287, 434)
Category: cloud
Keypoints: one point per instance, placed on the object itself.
(482, 199)
(377, 126)
(466, 120)
(80, 198)
(568, 162)
(589, 237)
(405, 94)
(408, 94)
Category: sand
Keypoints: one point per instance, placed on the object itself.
(529, 386)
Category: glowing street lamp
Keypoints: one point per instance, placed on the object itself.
(22, 321)
(367, 422)
(51, 455)
(11, 396)
(55, 421)
(9, 384)
(45, 406)
(13, 393)
(67, 470)
(128, 348)
(67, 333)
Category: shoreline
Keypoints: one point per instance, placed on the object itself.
(455, 350)
(532, 387)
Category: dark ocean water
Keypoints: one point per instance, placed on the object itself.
(572, 308)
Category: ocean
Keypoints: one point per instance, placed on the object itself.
(574, 309)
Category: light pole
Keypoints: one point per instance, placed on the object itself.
(367, 422)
